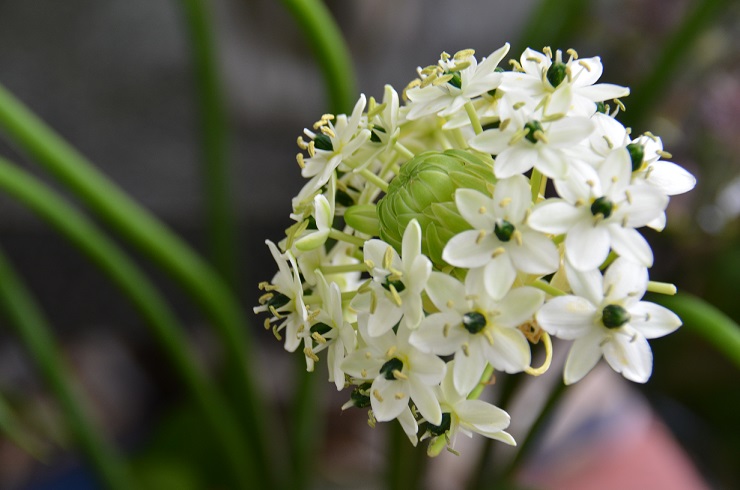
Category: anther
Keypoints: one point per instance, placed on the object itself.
(377, 396)
(299, 159)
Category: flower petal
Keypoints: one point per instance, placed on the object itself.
(514, 160)
(511, 199)
(468, 368)
(587, 245)
(567, 317)
(653, 320)
(482, 415)
(510, 350)
(630, 356)
(467, 250)
(554, 216)
(469, 203)
(499, 275)
(446, 292)
(583, 356)
(423, 397)
(628, 243)
(388, 398)
(439, 333)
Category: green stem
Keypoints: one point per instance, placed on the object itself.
(330, 50)
(534, 431)
(473, 115)
(543, 286)
(371, 177)
(707, 322)
(147, 301)
(346, 237)
(341, 268)
(487, 373)
(536, 185)
(405, 462)
(33, 329)
(213, 129)
(162, 246)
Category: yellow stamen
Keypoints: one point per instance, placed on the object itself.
(548, 358)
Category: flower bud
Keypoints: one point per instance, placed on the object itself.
(424, 190)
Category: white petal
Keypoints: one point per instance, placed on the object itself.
(567, 317)
(411, 243)
(424, 399)
(510, 351)
(359, 362)
(511, 199)
(628, 243)
(582, 76)
(428, 368)
(536, 255)
(492, 141)
(409, 425)
(653, 320)
(469, 203)
(583, 356)
(552, 162)
(645, 203)
(587, 284)
(417, 274)
(625, 279)
(603, 91)
(413, 312)
(468, 368)
(514, 160)
(499, 275)
(519, 306)
(569, 131)
(374, 251)
(433, 336)
(630, 356)
(670, 178)
(467, 250)
(385, 317)
(615, 173)
(482, 415)
(446, 292)
(554, 216)
(587, 245)
(394, 394)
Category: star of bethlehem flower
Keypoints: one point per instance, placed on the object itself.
(443, 233)
(605, 317)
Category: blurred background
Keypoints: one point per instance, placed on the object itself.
(115, 79)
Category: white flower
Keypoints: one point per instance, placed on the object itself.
(476, 328)
(338, 336)
(599, 211)
(323, 214)
(395, 292)
(399, 372)
(460, 415)
(500, 242)
(606, 317)
(569, 87)
(284, 300)
(339, 141)
(524, 141)
(459, 86)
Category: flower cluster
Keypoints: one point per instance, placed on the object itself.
(436, 241)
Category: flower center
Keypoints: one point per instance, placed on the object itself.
(533, 127)
(444, 426)
(360, 396)
(456, 80)
(397, 284)
(602, 206)
(323, 142)
(637, 153)
(504, 230)
(278, 300)
(389, 367)
(321, 328)
(614, 316)
(474, 322)
(556, 73)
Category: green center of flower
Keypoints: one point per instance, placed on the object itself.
(601, 107)
(614, 316)
(278, 300)
(533, 127)
(323, 142)
(504, 230)
(602, 206)
(397, 285)
(387, 369)
(456, 80)
(320, 328)
(360, 396)
(374, 134)
(474, 322)
(637, 154)
(444, 426)
(556, 73)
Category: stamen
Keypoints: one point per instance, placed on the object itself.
(399, 375)
(585, 65)
(318, 338)
(663, 154)
(572, 52)
(301, 143)
(480, 237)
(299, 159)
(498, 251)
(464, 54)
(505, 202)
(310, 354)
(548, 358)
(504, 124)
(388, 258)
(482, 210)
(376, 394)
(466, 349)
(450, 303)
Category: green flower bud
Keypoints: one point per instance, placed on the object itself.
(323, 142)
(556, 73)
(363, 218)
(602, 206)
(424, 190)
